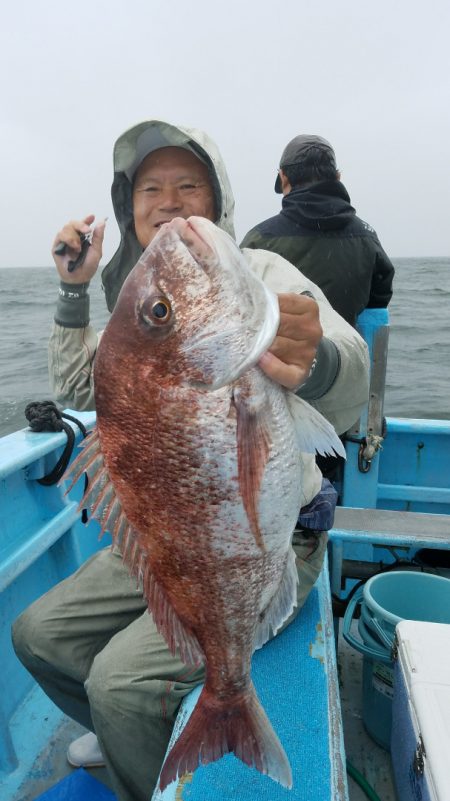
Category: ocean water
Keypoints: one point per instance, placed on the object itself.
(418, 376)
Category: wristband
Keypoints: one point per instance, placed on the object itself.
(73, 291)
(72, 308)
(323, 372)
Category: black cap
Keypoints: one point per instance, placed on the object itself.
(297, 150)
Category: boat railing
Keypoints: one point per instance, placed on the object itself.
(393, 463)
(42, 541)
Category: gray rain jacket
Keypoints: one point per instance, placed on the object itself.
(73, 341)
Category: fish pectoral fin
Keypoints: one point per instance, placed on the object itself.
(99, 496)
(253, 446)
(239, 725)
(282, 604)
(87, 461)
(314, 432)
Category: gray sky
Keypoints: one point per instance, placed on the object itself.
(372, 77)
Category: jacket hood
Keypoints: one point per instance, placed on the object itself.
(324, 206)
(129, 150)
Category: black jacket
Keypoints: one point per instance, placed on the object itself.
(318, 231)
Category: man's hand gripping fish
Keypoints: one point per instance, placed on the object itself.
(195, 470)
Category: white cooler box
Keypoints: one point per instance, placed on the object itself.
(420, 740)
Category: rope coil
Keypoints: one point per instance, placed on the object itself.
(45, 416)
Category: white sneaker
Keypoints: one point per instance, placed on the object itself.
(85, 752)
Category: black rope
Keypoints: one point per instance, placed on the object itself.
(45, 416)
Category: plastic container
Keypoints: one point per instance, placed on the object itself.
(385, 600)
(420, 742)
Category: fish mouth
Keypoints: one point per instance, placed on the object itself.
(160, 223)
(201, 249)
(262, 337)
(222, 356)
(186, 225)
(197, 230)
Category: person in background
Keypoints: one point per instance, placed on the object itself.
(90, 642)
(318, 231)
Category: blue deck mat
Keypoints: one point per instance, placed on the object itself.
(291, 675)
(78, 786)
(292, 688)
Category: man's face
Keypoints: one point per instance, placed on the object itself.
(170, 182)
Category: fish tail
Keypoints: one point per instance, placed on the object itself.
(216, 728)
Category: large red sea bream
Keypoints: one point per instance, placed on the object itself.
(194, 469)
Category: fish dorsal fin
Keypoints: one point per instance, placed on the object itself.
(314, 432)
(253, 444)
(101, 499)
(282, 604)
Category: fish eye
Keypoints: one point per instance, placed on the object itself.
(156, 311)
(161, 310)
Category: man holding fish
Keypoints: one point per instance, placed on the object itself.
(203, 381)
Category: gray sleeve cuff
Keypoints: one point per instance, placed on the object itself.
(72, 308)
(326, 369)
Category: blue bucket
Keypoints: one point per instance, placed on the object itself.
(385, 600)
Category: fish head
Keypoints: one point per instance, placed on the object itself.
(192, 308)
